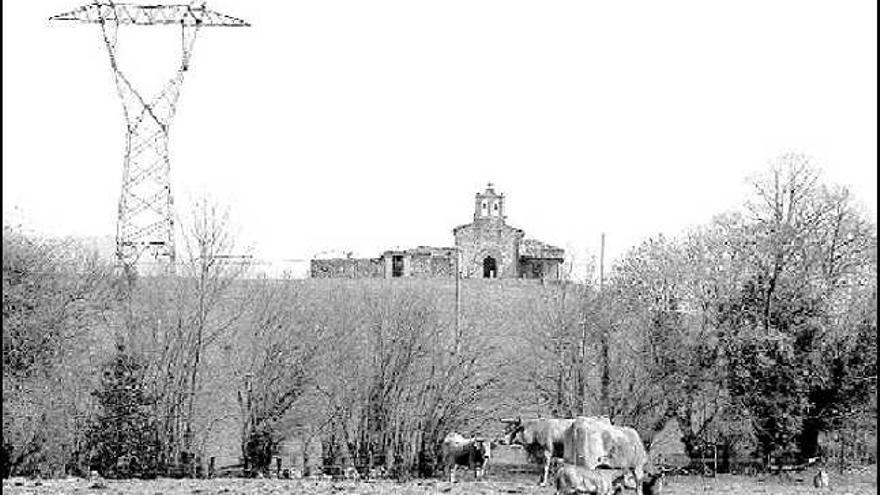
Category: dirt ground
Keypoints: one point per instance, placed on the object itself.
(862, 482)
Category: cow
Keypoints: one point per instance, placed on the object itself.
(653, 484)
(472, 452)
(821, 479)
(571, 479)
(542, 438)
(591, 443)
(578, 479)
(376, 473)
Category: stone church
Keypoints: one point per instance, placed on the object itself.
(488, 248)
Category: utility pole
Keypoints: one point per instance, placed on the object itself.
(457, 300)
(605, 336)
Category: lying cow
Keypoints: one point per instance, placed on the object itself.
(543, 439)
(460, 451)
(571, 480)
(589, 442)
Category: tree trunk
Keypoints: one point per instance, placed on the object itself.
(809, 439)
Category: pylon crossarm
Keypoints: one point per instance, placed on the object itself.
(148, 15)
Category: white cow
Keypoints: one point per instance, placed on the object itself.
(592, 443)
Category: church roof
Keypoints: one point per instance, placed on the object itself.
(490, 192)
(531, 248)
(475, 224)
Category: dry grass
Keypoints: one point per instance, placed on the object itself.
(862, 482)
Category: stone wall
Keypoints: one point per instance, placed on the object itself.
(431, 262)
(347, 268)
(422, 262)
(420, 265)
(443, 267)
(540, 268)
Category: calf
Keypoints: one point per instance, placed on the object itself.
(653, 484)
(460, 451)
(350, 473)
(821, 479)
(571, 479)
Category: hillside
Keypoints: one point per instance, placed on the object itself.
(498, 316)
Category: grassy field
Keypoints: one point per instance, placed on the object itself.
(862, 482)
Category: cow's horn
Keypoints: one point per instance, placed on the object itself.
(507, 420)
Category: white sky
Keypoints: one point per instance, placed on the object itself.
(363, 125)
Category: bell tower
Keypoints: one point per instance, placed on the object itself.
(489, 206)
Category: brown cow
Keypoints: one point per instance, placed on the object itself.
(472, 452)
(590, 442)
(543, 438)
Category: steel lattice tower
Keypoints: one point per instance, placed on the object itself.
(146, 206)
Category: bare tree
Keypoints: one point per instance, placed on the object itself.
(54, 292)
(175, 319)
(273, 358)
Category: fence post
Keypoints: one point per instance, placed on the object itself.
(714, 459)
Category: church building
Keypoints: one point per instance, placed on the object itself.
(487, 248)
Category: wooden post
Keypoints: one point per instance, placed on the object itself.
(714, 459)
(211, 467)
(602, 262)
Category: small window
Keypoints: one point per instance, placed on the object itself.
(537, 270)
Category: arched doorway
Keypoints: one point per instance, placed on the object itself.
(490, 270)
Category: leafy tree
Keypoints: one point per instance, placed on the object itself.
(123, 438)
(794, 328)
(767, 375)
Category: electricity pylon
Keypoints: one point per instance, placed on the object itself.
(145, 221)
